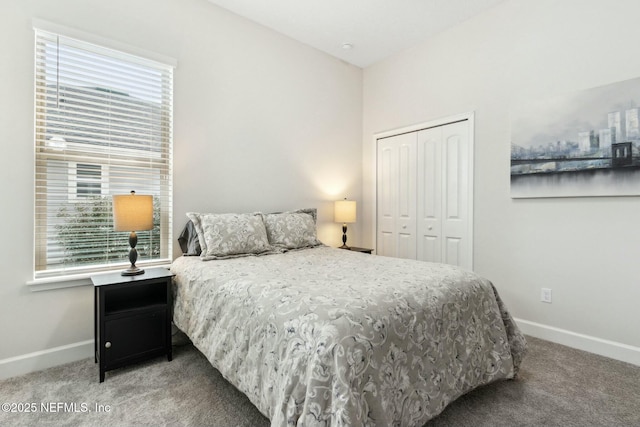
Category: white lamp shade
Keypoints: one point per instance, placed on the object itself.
(345, 211)
(132, 212)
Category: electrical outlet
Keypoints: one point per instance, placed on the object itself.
(545, 296)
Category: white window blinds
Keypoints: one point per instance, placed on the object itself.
(103, 126)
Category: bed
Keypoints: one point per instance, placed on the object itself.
(319, 336)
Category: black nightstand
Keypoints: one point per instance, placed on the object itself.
(363, 250)
(132, 317)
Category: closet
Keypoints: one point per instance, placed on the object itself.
(424, 193)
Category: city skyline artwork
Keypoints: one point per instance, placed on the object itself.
(585, 143)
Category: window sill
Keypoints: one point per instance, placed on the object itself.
(81, 279)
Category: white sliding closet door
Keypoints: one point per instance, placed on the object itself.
(424, 195)
(397, 196)
(429, 195)
(443, 195)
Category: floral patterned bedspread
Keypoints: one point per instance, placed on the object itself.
(324, 336)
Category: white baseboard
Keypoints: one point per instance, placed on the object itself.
(611, 349)
(44, 359)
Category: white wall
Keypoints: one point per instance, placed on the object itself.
(585, 249)
(261, 123)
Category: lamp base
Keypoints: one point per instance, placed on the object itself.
(133, 257)
(344, 237)
(132, 271)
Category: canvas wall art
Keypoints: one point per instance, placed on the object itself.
(582, 144)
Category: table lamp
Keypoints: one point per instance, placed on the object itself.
(132, 213)
(344, 212)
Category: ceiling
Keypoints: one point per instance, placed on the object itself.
(375, 29)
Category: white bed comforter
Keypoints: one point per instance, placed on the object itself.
(323, 336)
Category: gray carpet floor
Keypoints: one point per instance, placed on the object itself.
(557, 386)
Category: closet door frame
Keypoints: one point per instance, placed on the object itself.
(470, 118)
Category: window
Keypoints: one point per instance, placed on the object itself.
(103, 126)
(87, 179)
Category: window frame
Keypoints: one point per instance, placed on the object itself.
(77, 276)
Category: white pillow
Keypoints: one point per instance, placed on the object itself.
(292, 230)
(230, 235)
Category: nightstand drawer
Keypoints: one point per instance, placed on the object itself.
(132, 337)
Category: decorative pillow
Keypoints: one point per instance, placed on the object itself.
(188, 240)
(292, 230)
(195, 219)
(231, 235)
